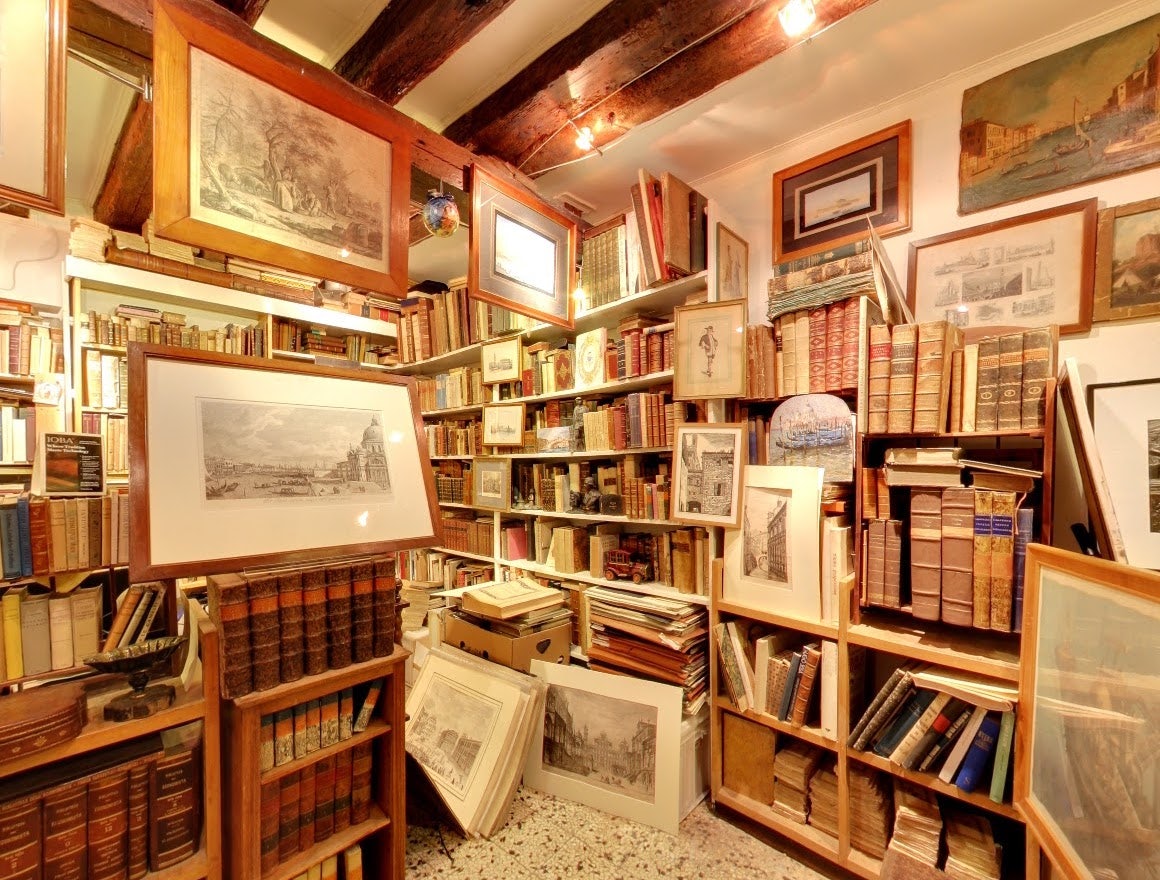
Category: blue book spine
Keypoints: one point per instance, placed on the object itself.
(1024, 523)
(906, 719)
(24, 524)
(752, 440)
(10, 540)
(971, 772)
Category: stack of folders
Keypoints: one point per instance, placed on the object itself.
(956, 725)
(917, 824)
(793, 767)
(971, 850)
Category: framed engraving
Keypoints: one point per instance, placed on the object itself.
(500, 361)
(491, 483)
(503, 424)
(707, 474)
(709, 347)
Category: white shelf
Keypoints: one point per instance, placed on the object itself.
(478, 557)
(618, 386)
(576, 456)
(590, 517)
(453, 411)
(649, 589)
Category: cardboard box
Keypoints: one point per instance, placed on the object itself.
(553, 645)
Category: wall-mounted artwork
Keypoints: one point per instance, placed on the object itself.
(1082, 114)
(1128, 262)
(258, 156)
(709, 344)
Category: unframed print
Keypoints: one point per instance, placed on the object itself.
(706, 474)
(610, 742)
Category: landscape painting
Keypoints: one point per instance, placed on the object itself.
(1128, 262)
(447, 735)
(266, 164)
(816, 430)
(524, 255)
(765, 549)
(290, 453)
(1088, 112)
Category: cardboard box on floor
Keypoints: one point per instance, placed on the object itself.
(552, 645)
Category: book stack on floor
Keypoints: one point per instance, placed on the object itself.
(470, 726)
(929, 720)
(121, 811)
(651, 637)
(971, 850)
(871, 810)
(350, 859)
(511, 622)
(917, 824)
(418, 599)
(44, 632)
(793, 767)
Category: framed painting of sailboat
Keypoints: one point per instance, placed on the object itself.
(1083, 114)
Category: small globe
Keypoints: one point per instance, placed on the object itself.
(440, 214)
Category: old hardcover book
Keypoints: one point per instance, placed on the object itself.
(86, 621)
(266, 743)
(306, 797)
(290, 625)
(329, 719)
(338, 619)
(747, 753)
(982, 746)
(360, 783)
(314, 621)
(936, 344)
(981, 564)
(887, 709)
(265, 635)
(229, 608)
(35, 634)
(676, 196)
(1002, 559)
(876, 562)
(906, 718)
(367, 710)
(869, 486)
(58, 534)
(21, 837)
(926, 553)
(283, 736)
(948, 714)
(878, 394)
(138, 859)
(175, 807)
(1039, 354)
(342, 789)
(958, 552)
(39, 536)
(918, 730)
(803, 348)
(65, 826)
(649, 224)
(108, 819)
(384, 593)
(835, 337)
(892, 566)
(287, 816)
(323, 798)
(269, 809)
(345, 713)
(903, 347)
(13, 649)
(817, 368)
(956, 404)
(1003, 745)
(807, 677)
(875, 705)
(851, 339)
(124, 614)
(883, 494)
(362, 611)
(1024, 526)
(299, 722)
(987, 386)
(959, 750)
(1010, 413)
(787, 377)
(970, 387)
(313, 725)
(946, 739)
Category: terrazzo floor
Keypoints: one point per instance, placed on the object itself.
(547, 838)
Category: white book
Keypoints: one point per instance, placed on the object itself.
(86, 622)
(828, 676)
(836, 564)
(6, 415)
(60, 631)
(962, 745)
(970, 385)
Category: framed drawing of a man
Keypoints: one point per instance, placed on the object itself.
(710, 350)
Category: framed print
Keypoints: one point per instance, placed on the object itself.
(772, 560)
(584, 714)
(814, 430)
(1027, 271)
(826, 201)
(1127, 281)
(491, 483)
(710, 350)
(232, 468)
(33, 37)
(1088, 706)
(732, 261)
(500, 361)
(523, 251)
(1091, 121)
(503, 424)
(261, 154)
(706, 474)
(1126, 425)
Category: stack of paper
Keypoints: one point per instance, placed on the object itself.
(87, 239)
(470, 726)
(824, 800)
(661, 639)
(971, 850)
(871, 806)
(917, 824)
(418, 598)
(793, 767)
(163, 247)
(515, 608)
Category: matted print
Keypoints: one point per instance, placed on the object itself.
(706, 474)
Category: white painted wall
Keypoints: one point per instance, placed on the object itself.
(1109, 353)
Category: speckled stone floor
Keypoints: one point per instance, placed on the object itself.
(547, 838)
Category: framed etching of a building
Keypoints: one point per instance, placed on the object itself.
(262, 154)
(706, 474)
(239, 463)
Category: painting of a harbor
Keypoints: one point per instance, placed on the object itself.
(814, 430)
(1088, 112)
(287, 453)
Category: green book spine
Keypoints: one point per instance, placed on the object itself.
(1002, 756)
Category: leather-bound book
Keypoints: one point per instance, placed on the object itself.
(299, 722)
(876, 562)
(338, 622)
(788, 374)
(39, 718)
(38, 530)
(1010, 413)
(108, 810)
(878, 370)
(268, 814)
(747, 757)
(851, 333)
(314, 620)
(346, 713)
(817, 350)
(175, 807)
(970, 387)
(328, 716)
(342, 789)
(956, 403)
(290, 623)
(1039, 353)
(868, 480)
(802, 333)
(987, 386)
(926, 553)
(892, 565)
(958, 553)
(65, 825)
(283, 736)
(20, 838)
(903, 347)
(287, 816)
(229, 608)
(807, 676)
(266, 743)
(306, 797)
(265, 634)
(835, 335)
(323, 798)
(937, 342)
(313, 726)
(360, 784)
(981, 565)
(1002, 559)
(1024, 525)
(139, 819)
(362, 611)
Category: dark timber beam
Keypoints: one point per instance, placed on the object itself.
(248, 11)
(113, 30)
(126, 196)
(632, 62)
(409, 40)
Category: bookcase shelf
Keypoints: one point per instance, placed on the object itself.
(620, 386)
(976, 798)
(195, 867)
(801, 834)
(812, 735)
(374, 729)
(814, 627)
(647, 589)
(592, 517)
(333, 845)
(311, 686)
(478, 557)
(967, 650)
(588, 454)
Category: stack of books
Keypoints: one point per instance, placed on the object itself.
(446, 568)
(418, 598)
(971, 850)
(871, 808)
(87, 239)
(461, 386)
(793, 767)
(514, 608)
(917, 824)
(668, 227)
(163, 247)
(824, 799)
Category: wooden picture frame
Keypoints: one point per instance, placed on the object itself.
(503, 424)
(500, 361)
(329, 198)
(709, 350)
(1020, 272)
(826, 201)
(523, 251)
(732, 264)
(33, 44)
(491, 483)
(1087, 698)
(1124, 237)
(702, 499)
(232, 470)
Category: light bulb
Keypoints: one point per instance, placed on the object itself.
(584, 138)
(796, 16)
(344, 253)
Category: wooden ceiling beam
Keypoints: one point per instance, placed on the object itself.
(126, 196)
(248, 11)
(124, 26)
(408, 40)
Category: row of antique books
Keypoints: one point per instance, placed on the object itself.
(928, 720)
(437, 566)
(454, 438)
(40, 536)
(453, 482)
(643, 484)
(138, 323)
(299, 730)
(965, 549)
(29, 345)
(305, 807)
(114, 431)
(279, 625)
(18, 432)
(922, 378)
(668, 234)
(317, 339)
(459, 386)
(45, 631)
(350, 860)
(123, 811)
(431, 324)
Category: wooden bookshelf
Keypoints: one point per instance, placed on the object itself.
(807, 733)
(977, 798)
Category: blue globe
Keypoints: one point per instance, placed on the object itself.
(440, 214)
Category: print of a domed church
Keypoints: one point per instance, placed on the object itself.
(367, 462)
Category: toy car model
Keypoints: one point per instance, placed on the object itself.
(620, 564)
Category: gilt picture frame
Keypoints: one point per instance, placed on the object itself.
(707, 467)
(523, 251)
(232, 469)
(709, 350)
(33, 43)
(825, 201)
(1127, 284)
(500, 361)
(264, 155)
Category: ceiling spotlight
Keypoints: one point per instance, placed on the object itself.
(584, 138)
(796, 17)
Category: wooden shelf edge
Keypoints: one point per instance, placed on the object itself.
(195, 867)
(336, 843)
(812, 735)
(815, 627)
(934, 647)
(374, 729)
(307, 688)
